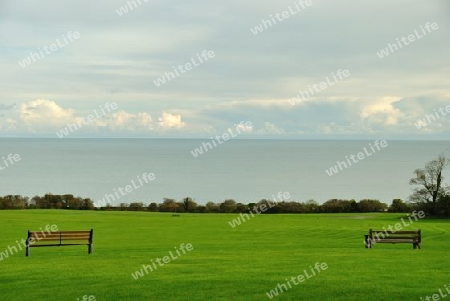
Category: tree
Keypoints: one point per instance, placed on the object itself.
(168, 205)
(241, 208)
(40, 202)
(312, 206)
(295, 207)
(337, 206)
(153, 207)
(201, 209)
(136, 206)
(251, 205)
(13, 202)
(398, 206)
(189, 205)
(430, 182)
(371, 206)
(228, 206)
(88, 204)
(444, 206)
(212, 207)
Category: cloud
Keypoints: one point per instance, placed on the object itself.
(339, 116)
(9, 125)
(44, 114)
(168, 120)
(335, 117)
(6, 107)
(140, 122)
(244, 127)
(251, 78)
(382, 111)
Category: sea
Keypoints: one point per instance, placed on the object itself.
(242, 170)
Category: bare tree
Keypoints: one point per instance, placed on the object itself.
(430, 182)
(228, 206)
(189, 205)
(168, 205)
(212, 207)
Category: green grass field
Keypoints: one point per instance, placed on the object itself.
(243, 263)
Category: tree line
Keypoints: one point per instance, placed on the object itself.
(188, 205)
(48, 201)
(430, 195)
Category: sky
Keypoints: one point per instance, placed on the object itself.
(116, 54)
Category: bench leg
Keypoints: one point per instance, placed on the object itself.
(367, 241)
(89, 248)
(27, 244)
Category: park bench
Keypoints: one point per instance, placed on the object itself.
(59, 239)
(396, 237)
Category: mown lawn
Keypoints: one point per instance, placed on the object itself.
(242, 263)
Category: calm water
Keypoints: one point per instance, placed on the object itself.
(244, 170)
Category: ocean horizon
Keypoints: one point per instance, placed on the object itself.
(246, 170)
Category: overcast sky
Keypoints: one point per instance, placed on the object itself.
(117, 58)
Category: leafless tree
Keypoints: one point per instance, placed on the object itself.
(430, 181)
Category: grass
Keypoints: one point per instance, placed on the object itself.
(241, 263)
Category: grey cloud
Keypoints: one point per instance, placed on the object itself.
(4, 107)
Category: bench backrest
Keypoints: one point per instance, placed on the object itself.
(378, 234)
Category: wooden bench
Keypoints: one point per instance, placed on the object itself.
(397, 237)
(59, 239)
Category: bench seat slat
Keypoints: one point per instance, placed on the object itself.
(394, 233)
(57, 245)
(396, 237)
(74, 234)
(38, 234)
(58, 232)
(58, 235)
(389, 241)
(62, 239)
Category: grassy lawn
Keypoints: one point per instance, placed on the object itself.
(242, 263)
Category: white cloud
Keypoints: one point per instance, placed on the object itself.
(42, 113)
(322, 117)
(122, 120)
(382, 111)
(44, 117)
(168, 120)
